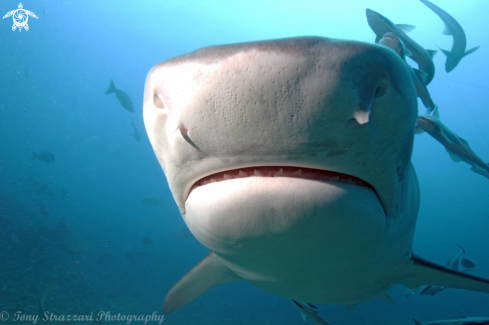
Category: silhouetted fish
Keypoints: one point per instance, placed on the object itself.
(147, 240)
(137, 135)
(44, 156)
(123, 98)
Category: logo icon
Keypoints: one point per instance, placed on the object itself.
(20, 17)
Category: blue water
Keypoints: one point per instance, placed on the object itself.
(52, 83)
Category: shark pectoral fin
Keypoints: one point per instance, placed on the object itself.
(208, 273)
(472, 50)
(432, 53)
(419, 272)
(350, 308)
(454, 156)
(447, 53)
(406, 28)
(407, 52)
(386, 298)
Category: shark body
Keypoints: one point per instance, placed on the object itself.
(380, 25)
(457, 148)
(393, 42)
(290, 161)
(452, 27)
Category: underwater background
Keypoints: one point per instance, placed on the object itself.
(97, 227)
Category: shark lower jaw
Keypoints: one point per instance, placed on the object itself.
(252, 221)
(282, 171)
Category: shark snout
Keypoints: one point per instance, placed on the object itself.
(329, 105)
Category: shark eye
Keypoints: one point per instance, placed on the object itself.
(158, 102)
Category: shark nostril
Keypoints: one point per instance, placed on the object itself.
(158, 102)
(381, 90)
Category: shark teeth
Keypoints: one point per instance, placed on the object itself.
(293, 172)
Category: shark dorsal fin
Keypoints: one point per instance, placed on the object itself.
(208, 273)
(432, 53)
(406, 28)
(423, 76)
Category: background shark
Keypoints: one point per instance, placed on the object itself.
(290, 160)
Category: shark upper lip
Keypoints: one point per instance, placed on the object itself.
(281, 171)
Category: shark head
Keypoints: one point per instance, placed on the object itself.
(285, 152)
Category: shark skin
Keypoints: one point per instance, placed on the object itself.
(452, 27)
(380, 25)
(290, 160)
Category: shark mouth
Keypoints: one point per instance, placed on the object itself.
(293, 172)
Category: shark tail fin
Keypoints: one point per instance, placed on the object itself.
(419, 272)
(472, 50)
(111, 88)
(34, 156)
(208, 273)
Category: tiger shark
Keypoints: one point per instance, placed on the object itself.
(290, 160)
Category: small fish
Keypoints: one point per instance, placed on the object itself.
(424, 58)
(44, 156)
(393, 42)
(137, 135)
(310, 311)
(123, 98)
(431, 290)
(136, 256)
(459, 321)
(151, 201)
(147, 241)
(457, 263)
(457, 148)
(460, 263)
(43, 209)
(452, 27)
